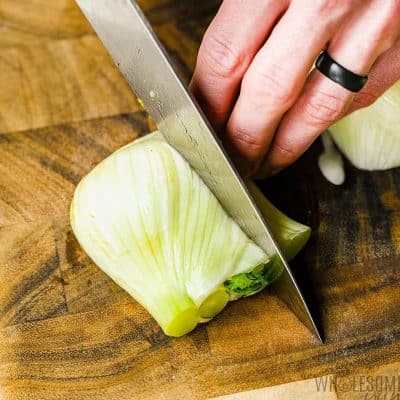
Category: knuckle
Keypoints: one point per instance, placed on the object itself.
(332, 8)
(275, 85)
(324, 109)
(253, 144)
(221, 56)
(286, 151)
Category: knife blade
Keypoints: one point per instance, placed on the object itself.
(129, 38)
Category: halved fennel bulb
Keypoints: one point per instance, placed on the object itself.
(370, 137)
(150, 223)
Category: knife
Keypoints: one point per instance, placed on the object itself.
(129, 38)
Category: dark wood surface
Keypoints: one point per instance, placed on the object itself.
(68, 332)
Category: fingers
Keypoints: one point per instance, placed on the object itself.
(276, 77)
(322, 101)
(384, 73)
(230, 43)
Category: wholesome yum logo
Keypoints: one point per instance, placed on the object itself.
(377, 387)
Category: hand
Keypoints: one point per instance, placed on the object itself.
(252, 74)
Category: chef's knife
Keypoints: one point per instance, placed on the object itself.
(129, 38)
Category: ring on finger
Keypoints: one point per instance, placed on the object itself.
(339, 74)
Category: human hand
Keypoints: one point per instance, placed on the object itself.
(252, 74)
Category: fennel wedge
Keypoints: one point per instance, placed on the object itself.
(370, 137)
(150, 223)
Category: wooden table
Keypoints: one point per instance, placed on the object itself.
(68, 332)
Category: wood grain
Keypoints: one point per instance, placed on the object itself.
(373, 384)
(30, 275)
(55, 70)
(305, 389)
(29, 22)
(68, 332)
(40, 168)
(60, 81)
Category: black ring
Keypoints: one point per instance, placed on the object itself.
(339, 74)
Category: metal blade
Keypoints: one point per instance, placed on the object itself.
(129, 38)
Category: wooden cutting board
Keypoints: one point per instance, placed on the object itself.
(68, 332)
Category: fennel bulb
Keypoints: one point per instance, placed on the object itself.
(370, 137)
(150, 223)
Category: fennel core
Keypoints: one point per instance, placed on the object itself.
(241, 285)
(152, 225)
